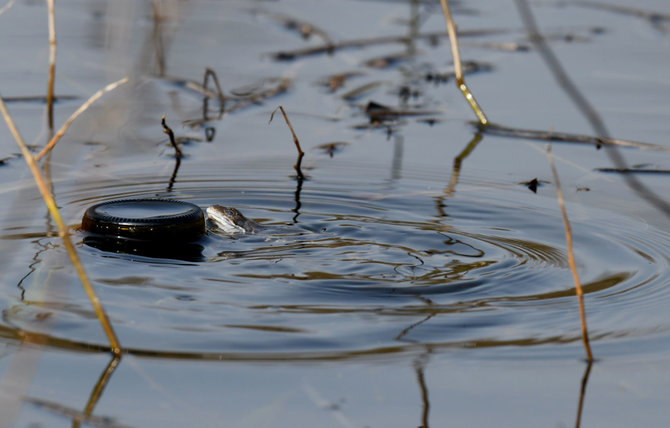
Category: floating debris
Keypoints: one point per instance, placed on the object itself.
(390, 60)
(468, 67)
(336, 81)
(534, 184)
(361, 91)
(38, 99)
(304, 28)
(380, 113)
(565, 137)
(5, 161)
(332, 148)
(359, 43)
(633, 171)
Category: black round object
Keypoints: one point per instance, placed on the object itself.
(152, 220)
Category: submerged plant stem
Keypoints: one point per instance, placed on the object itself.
(458, 70)
(63, 232)
(571, 256)
(74, 115)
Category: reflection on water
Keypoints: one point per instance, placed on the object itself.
(362, 274)
(408, 240)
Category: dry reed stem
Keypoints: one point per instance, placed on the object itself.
(74, 115)
(297, 167)
(52, 65)
(458, 70)
(583, 105)
(63, 232)
(6, 7)
(571, 256)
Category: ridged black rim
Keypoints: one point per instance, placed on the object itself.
(188, 224)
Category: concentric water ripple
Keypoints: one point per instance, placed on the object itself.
(345, 268)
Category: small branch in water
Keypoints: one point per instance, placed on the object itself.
(330, 48)
(168, 130)
(655, 18)
(458, 71)
(532, 134)
(571, 256)
(295, 140)
(304, 28)
(74, 115)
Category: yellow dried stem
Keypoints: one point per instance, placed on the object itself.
(74, 115)
(63, 232)
(458, 69)
(571, 256)
(6, 7)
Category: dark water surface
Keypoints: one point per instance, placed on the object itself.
(391, 286)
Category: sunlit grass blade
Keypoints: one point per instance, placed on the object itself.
(74, 115)
(63, 231)
(581, 102)
(458, 69)
(571, 256)
(6, 7)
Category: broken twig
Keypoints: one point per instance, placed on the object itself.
(168, 131)
(295, 140)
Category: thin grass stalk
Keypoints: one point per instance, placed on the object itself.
(6, 7)
(74, 115)
(301, 154)
(63, 232)
(571, 256)
(52, 64)
(458, 69)
(583, 105)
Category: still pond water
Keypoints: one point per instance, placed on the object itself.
(391, 285)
